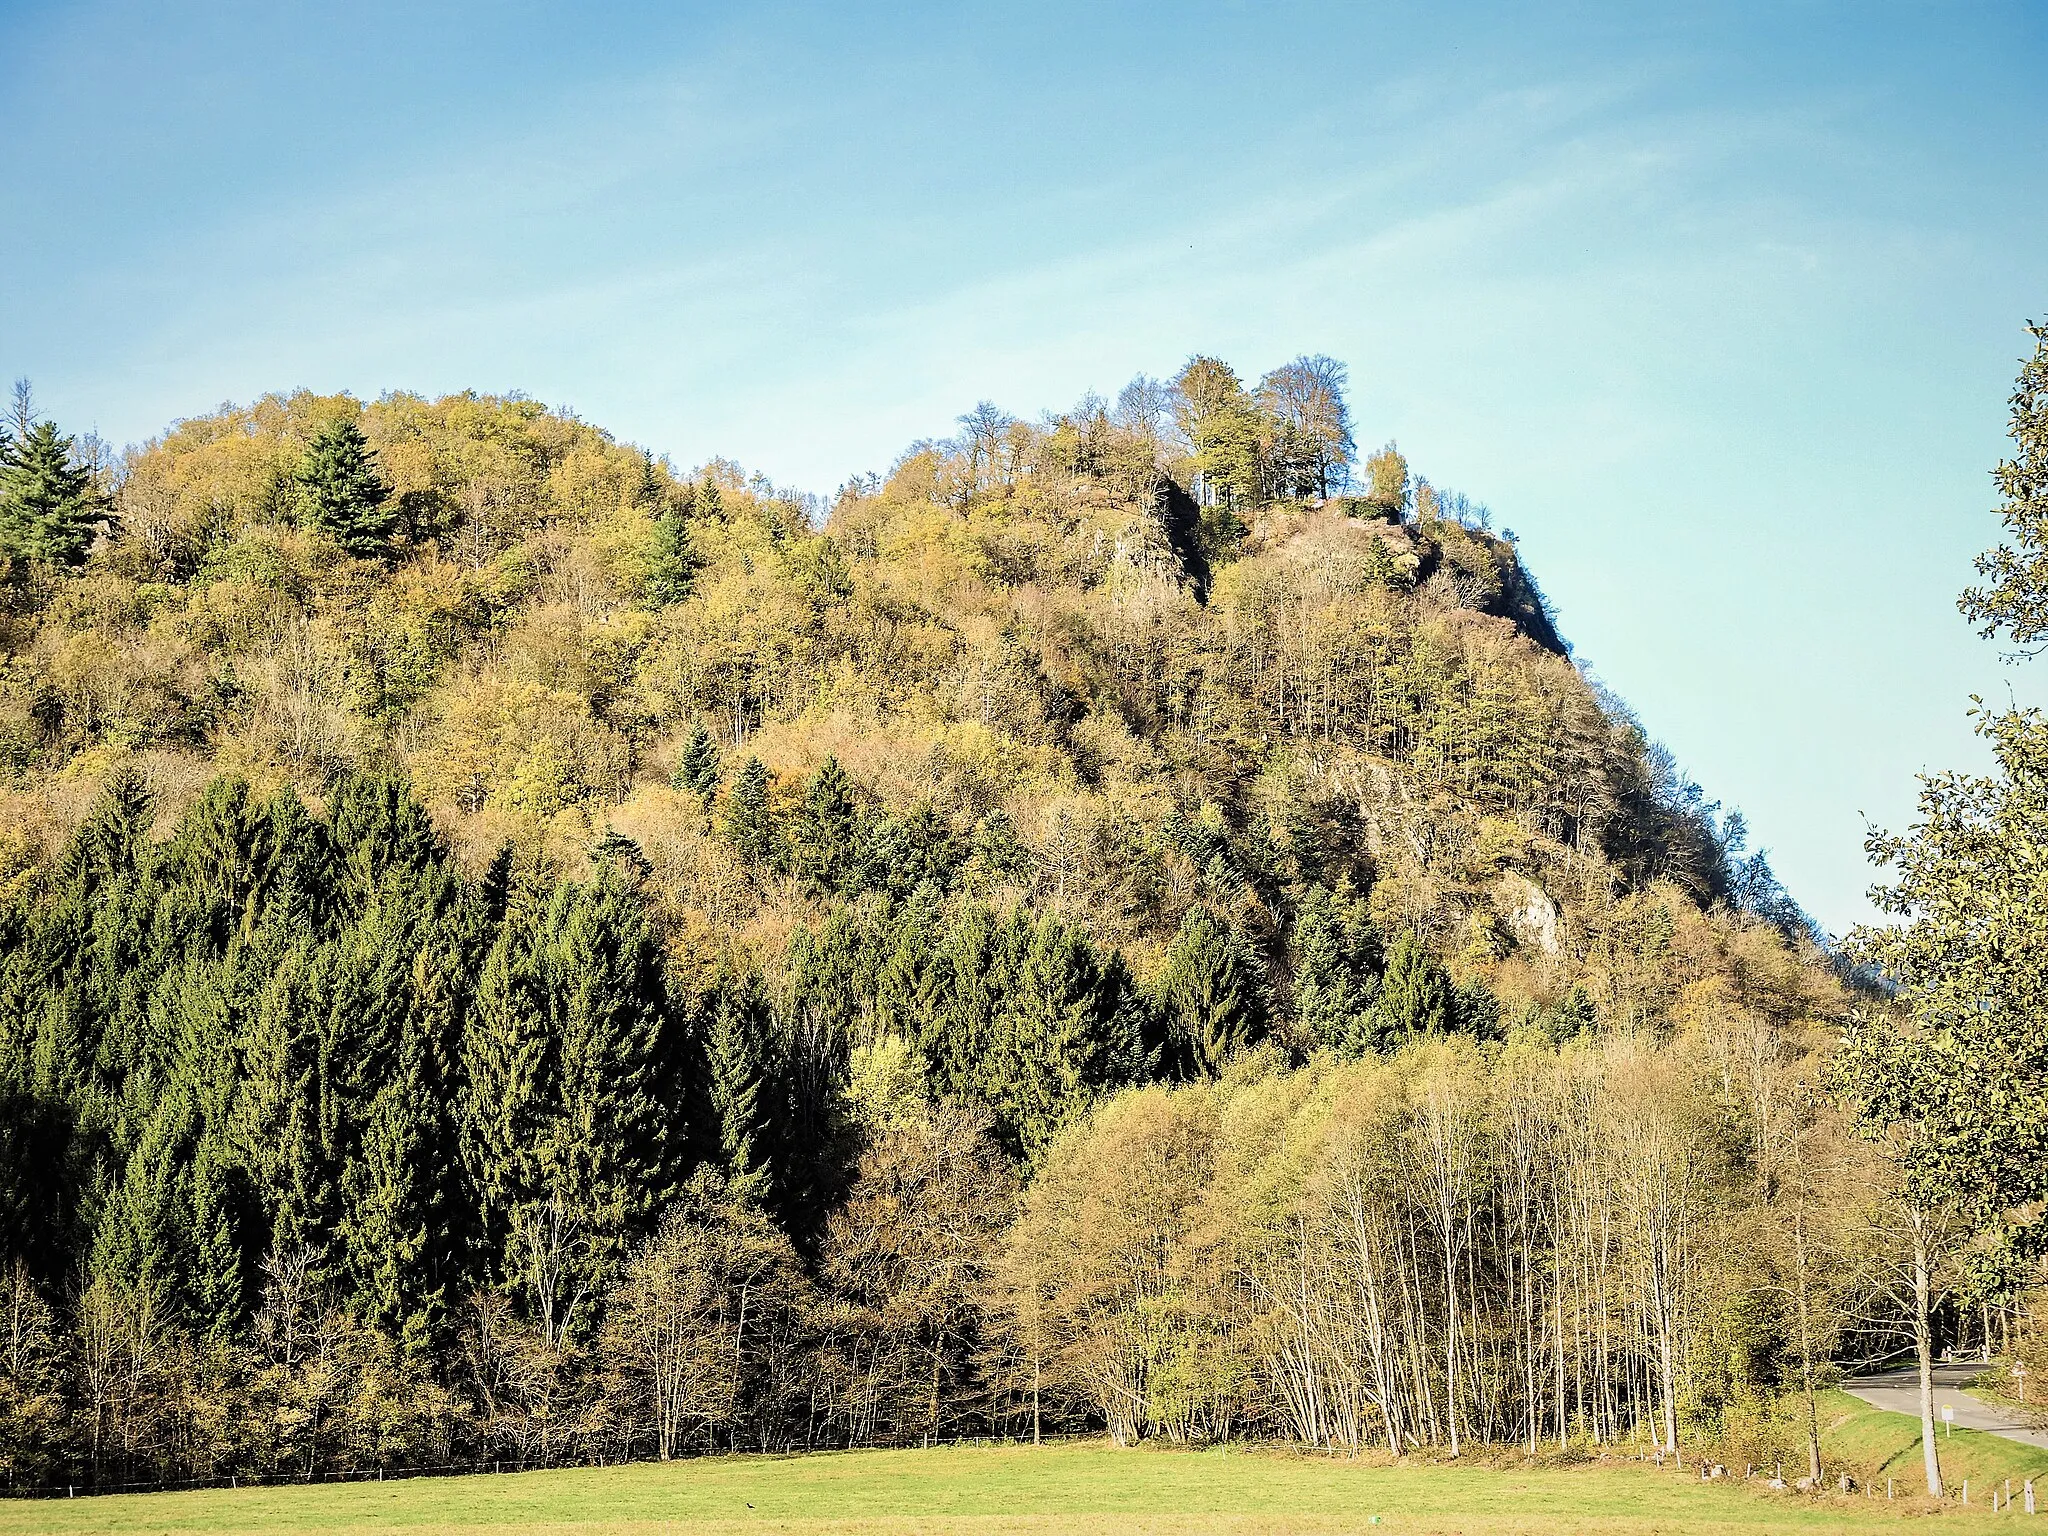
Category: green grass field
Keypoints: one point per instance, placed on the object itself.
(1877, 1444)
(1069, 1489)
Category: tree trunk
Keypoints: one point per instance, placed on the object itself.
(1451, 1344)
(1923, 1347)
(1806, 1345)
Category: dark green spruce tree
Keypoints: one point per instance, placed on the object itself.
(510, 1066)
(670, 561)
(823, 837)
(749, 818)
(1061, 1039)
(50, 507)
(1416, 996)
(1209, 994)
(1336, 972)
(339, 491)
(910, 985)
(737, 1062)
(697, 770)
(603, 1154)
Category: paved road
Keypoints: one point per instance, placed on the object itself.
(1899, 1391)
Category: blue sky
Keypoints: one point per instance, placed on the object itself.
(1717, 311)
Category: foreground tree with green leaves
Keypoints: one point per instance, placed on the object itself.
(1952, 1082)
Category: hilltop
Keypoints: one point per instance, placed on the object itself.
(1036, 635)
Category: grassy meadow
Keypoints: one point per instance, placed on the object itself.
(1070, 1488)
(1875, 1444)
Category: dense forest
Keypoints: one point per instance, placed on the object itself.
(1131, 922)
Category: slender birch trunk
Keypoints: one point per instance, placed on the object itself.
(1923, 1347)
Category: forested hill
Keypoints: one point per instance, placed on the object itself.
(1078, 681)
(441, 844)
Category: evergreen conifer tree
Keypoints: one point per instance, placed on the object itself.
(749, 819)
(341, 493)
(826, 994)
(293, 860)
(670, 562)
(1476, 1010)
(220, 1265)
(705, 500)
(735, 1048)
(619, 854)
(365, 1023)
(111, 838)
(276, 1118)
(1415, 997)
(391, 1213)
(697, 769)
(977, 966)
(1335, 974)
(823, 836)
(377, 825)
(509, 1064)
(142, 1243)
(604, 1152)
(910, 986)
(214, 855)
(49, 506)
(1057, 1040)
(1209, 993)
(903, 855)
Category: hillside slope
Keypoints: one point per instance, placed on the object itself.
(510, 953)
(1048, 641)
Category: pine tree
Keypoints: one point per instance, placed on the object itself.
(1209, 993)
(1057, 1042)
(604, 1151)
(824, 835)
(210, 1001)
(50, 508)
(1415, 997)
(735, 1048)
(670, 562)
(749, 819)
(509, 1065)
(697, 769)
(1335, 978)
(901, 855)
(341, 493)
